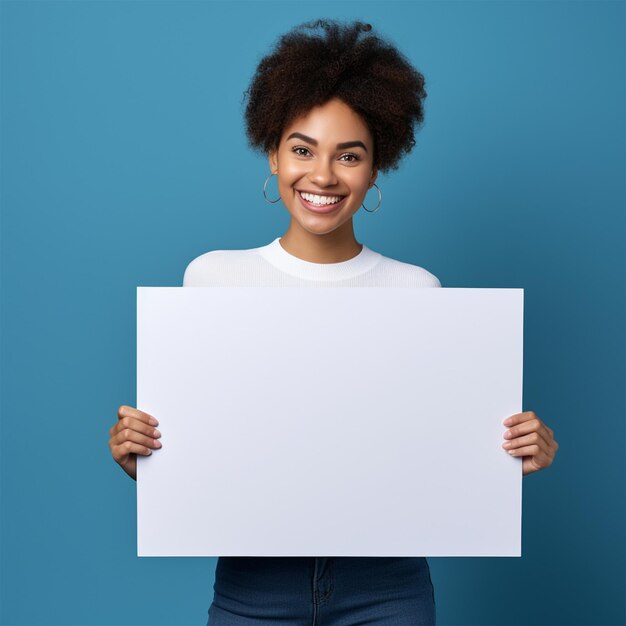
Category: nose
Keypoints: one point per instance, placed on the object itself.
(322, 174)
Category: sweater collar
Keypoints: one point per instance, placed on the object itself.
(275, 254)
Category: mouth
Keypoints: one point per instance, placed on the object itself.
(320, 203)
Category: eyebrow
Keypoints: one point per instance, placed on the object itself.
(340, 146)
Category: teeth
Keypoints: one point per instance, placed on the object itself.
(309, 197)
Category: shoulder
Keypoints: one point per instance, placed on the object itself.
(216, 266)
(407, 274)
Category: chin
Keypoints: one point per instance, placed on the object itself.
(319, 227)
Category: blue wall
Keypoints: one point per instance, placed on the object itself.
(124, 157)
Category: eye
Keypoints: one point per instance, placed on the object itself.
(355, 157)
(299, 148)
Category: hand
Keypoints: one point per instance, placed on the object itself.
(133, 434)
(531, 439)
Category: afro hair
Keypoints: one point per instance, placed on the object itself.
(325, 59)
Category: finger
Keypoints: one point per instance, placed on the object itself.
(530, 439)
(530, 426)
(532, 450)
(132, 435)
(132, 423)
(534, 457)
(123, 450)
(129, 411)
(518, 418)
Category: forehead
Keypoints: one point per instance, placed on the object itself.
(331, 121)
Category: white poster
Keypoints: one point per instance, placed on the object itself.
(329, 421)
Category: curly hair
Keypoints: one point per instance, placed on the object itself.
(307, 69)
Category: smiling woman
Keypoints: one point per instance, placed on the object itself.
(330, 107)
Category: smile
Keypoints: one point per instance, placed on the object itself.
(320, 204)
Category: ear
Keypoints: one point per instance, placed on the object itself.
(373, 178)
(272, 158)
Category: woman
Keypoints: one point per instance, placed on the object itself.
(330, 111)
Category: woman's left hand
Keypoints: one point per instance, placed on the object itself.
(531, 439)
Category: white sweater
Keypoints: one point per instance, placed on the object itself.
(273, 266)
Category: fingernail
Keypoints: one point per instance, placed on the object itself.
(508, 433)
(157, 433)
(507, 421)
(506, 444)
(153, 421)
(157, 444)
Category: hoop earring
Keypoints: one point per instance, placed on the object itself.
(380, 199)
(265, 185)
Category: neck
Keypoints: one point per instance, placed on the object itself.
(334, 247)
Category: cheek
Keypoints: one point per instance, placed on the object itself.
(359, 181)
(290, 170)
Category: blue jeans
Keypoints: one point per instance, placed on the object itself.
(329, 591)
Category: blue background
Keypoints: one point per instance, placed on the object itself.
(124, 157)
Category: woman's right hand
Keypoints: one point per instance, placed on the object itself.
(133, 434)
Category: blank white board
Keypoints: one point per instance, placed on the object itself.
(329, 421)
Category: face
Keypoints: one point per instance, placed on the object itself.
(324, 165)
